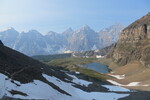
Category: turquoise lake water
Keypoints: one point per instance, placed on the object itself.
(97, 67)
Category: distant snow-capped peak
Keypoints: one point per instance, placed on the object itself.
(69, 30)
(85, 27)
(6, 29)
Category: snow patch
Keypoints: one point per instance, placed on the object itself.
(130, 84)
(116, 88)
(79, 81)
(34, 90)
(99, 56)
(77, 72)
(118, 76)
(136, 84)
(40, 90)
(96, 50)
(68, 51)
(78, 94)
(112, 72)
(73, 54)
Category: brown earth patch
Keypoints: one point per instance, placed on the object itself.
(134, 72)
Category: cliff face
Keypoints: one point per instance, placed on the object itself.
(134, 43)
(138, 30)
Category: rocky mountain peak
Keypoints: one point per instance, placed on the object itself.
(85, 27)
(51, 33)
(31, 34)
(148, 14)
(33, 31)
(138, 30)
(6, 29)
(69, 30)
(9, 30)
(133, 43)
(117, 25)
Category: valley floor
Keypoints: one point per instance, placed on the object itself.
(133, 75)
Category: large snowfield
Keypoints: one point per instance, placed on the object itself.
(41, 90)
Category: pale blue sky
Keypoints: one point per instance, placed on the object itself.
(58, 15)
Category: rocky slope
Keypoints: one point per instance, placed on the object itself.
(99, 53)
(133, 43)
(110, 35)
(83, 39)
(34, 43)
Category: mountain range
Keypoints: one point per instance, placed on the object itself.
(34, 43)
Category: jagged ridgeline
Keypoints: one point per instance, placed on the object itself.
(134, 43)
(85, 38)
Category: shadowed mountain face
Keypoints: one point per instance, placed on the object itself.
(34, 43)
(1, 43)
(23, 69)
(133, 43)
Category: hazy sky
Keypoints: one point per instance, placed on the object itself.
(58, 15)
